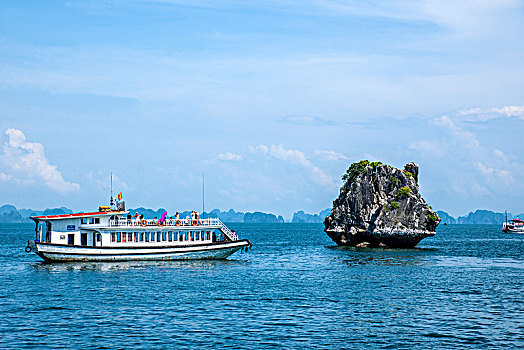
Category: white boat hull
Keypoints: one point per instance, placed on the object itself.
(64, 253)
(512, 228)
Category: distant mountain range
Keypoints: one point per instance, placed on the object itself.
(10, 214)
(225, 216)
(477, 217)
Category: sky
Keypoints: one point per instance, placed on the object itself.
(271, 100)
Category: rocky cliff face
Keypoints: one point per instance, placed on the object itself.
(380, 205)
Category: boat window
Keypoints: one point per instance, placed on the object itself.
(97, 220)
(118, 237)
(175, 236)
(208, 235)
(112, 236)
(91, 220)
(130, 237)
(186, 238)
(158, 236)
(197, 235)
(164, 236)
(181, 237)
(124, 236)
(170, 236)
(83, 221)
(147, 236)
(141, 236)
(98, 237)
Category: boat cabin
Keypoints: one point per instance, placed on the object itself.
(116, 229)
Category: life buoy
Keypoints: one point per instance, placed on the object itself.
(161, 223)
(28, 249)
(194, 223)
(177, 222)
(143, 223)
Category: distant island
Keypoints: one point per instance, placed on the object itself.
(481, 217)
(10, 214)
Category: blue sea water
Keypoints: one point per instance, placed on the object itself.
(462, 288)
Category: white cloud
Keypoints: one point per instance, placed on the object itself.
(330, 155)
(483, 114)
(296, 157)
(306, 120)
(462, 18)
(516, 111)
(472, 17)
(466, 137)
(27, 160)
(500, 154)
(5, 177)
(229, 156)
(494, 174)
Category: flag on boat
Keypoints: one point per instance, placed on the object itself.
(120, 196)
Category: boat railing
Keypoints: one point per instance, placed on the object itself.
(173, 223)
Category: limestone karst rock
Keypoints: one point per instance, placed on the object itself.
(380, 205)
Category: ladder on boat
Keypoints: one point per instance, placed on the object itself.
(227, 232)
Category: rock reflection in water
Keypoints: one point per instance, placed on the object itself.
(384, 257)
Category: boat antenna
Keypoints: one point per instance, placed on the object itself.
(111, 200)
(203, 198)
(506, 212)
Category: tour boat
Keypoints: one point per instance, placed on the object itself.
(515, 225)
(111, 234)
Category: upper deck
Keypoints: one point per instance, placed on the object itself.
(103, 221)
(152, 223)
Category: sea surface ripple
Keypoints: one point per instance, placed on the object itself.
(462, 288)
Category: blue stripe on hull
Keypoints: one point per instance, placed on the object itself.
(212, 254)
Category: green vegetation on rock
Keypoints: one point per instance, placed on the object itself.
(404, 192)
(358, 168)
(433, 217)
(374, 165)
(394, 205)
(354, 170)
(394, 180)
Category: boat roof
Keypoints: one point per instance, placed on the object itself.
(517, 220)
(79, 215)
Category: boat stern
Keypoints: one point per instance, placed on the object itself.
(31, 246)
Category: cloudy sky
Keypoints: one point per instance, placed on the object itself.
(271, 100)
